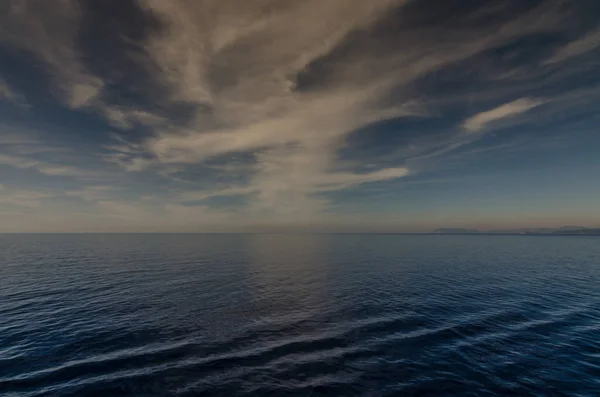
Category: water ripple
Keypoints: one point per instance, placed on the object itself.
(187, 315)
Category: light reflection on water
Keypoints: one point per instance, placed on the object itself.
(86, 315)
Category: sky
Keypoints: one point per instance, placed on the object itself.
(298, 115)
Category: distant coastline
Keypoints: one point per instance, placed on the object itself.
(560, 231)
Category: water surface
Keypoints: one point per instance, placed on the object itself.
(305, 315)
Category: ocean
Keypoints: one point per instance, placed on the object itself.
(299, 315)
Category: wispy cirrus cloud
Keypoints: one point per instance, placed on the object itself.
(45, 168)
(7, 93)
(277, 105)
(481, 120)
(253, 69)
(49, 30)
(29, 150)
(579, 46)
(249, 83)
(94, 193)
(22, 198)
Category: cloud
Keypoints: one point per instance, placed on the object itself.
(312, 122)
(49, 30)
(17, 161)
(580, 46)
(232, 55)
(319, 183)
(47, 168)
(277, 102)
(243, 64)
(153, 215)
(93, 193)
(127, 118)
(8, 94)
(255, 74)
(337, 181)
(61, 170)
(481, 120)
(21, 197)
(200, 195)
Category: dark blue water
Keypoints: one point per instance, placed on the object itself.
(305, 315)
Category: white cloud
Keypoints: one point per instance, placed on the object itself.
(93, 193)
(577, 47)
(481, 120)
(336, 181)
(127, 118)
(17, 161)
(313, 121)
(247, 67)
(21, 197)
(238, 56)
(295, 153)
(45, 168)
(8, 94)
(304, 184)
(199, 195)
(165, 216)
(60, 170)
(49, 29)
(244, 64)
(82, 93)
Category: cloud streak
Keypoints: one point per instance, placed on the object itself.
(509, 110)
(285, 108)
(580, 46)
(49, 30)
(250, 68)
(7, 93)
(244, 65)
